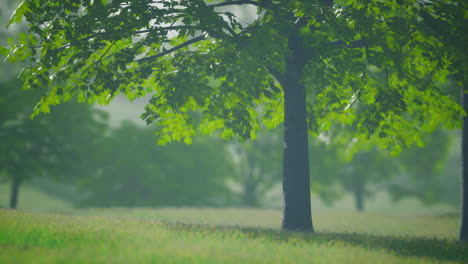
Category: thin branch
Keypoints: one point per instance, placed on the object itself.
(233, 33)
(131, 33)
(386, 76)
(361, 43)
(278, 76)
(404, 10)
(107, 50)
(239, 2)
(185, 44)
(161, 29)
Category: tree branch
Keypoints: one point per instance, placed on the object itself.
(278, 76)
(161, 29)
(185, 44)
(239, 2)
(233, 33)
(131, 33)
(361, 43)
(107, 50)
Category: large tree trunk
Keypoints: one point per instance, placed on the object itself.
(464, 186)
(15, 184)
(296, 186)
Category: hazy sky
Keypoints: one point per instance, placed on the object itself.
(122, 109)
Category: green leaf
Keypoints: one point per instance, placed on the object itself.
(19, 13)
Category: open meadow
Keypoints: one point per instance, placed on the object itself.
(222, 235)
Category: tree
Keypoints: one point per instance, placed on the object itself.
(362, 168)
(421, 169)
(50, 145)
(452, 168)
(197, 56)
(131, 170)
(370, 166)
(257, 166)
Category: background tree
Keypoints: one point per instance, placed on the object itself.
(362, 168)
(451, 172)
(131, 170)
(367, 167)
(333, 51)
(422, 169)
(50, 145)
(257, 166)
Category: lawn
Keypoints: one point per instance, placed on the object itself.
(224, 236)
(62, 234)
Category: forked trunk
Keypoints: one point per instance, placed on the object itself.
(296, 187)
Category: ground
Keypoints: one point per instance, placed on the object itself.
(58, 233)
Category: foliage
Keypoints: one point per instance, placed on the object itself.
(9, 71)
(48, 145)
(422, 168)
(430, 173)
(394, 80)
(362, 168)
(131, 170)
(84, 48)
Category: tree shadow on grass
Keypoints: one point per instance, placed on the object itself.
(408, 246)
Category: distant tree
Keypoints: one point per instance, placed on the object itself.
(348, 165)
(197, 56)
(421, 169)
(325, 154)
(257, 166)
(133, 171)
(362, 168)
(451, 172)
(367, 169)
(53, 145)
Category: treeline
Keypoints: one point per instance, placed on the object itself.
(89, 163)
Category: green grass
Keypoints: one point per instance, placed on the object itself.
(224, 236)
(47, 230)
(421, 225)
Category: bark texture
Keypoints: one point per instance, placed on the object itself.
(296, 186)
(464, 182)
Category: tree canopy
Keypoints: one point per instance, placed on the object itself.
(194, 55)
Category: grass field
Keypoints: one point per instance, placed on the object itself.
(57, 233)
(223, 236)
